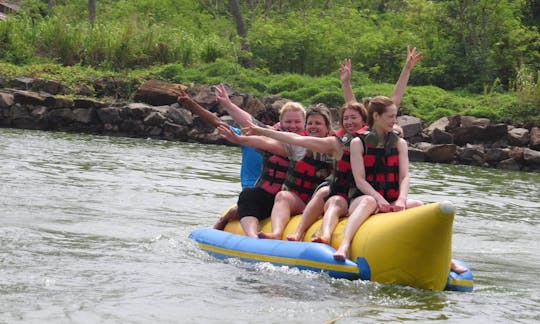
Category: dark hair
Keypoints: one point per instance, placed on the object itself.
(268, 116)
(321, 109)
(353, 105)
(377, 105)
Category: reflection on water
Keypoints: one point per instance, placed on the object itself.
(94, 229)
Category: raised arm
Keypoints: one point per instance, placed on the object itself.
(240, 116)
(399, 89)
(186, 101)
(257, 142)
(345, 73)
(329, 145)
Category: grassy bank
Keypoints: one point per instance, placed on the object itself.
(426, 102)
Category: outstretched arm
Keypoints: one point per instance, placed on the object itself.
(257, 142)
(329, 145)
(186, 101)
(240, 116)
(345, 73)
(399, 89)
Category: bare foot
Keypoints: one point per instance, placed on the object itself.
(319, 239)
(341, 253)
(220, 224)
(270, 236)
(294, 237)
(457, 268)
(229, 216)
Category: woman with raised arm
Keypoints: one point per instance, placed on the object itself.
(307, 170)
(250, 169)
(380, 166)
(331, 200)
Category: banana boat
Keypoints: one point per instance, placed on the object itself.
(410, 247)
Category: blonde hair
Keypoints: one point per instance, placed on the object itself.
(292, 106)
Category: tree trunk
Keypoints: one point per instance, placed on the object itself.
(92, 11)
(245, 60)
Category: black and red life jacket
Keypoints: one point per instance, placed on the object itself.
(342, 178)
(305, 175)
(381, 165)
(274, 170)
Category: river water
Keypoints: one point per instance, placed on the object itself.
(95, 229)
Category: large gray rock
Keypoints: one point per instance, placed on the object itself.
(535, 139)
(411, 125)
(439, 124)
(6, 100)
(518, 136)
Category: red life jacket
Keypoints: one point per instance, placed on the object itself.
(274, 170)
(342, 178)
(381, 166)
(305, 175)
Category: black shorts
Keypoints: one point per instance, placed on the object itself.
(255, 202)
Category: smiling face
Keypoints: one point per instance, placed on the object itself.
(316, 126)
(352, 120)
(292, 121)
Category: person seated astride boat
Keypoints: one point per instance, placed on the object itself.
(251, 166)
(330, 198)
(380, 166)
(306, 171)
(256, 203)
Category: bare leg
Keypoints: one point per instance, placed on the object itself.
(285, 204)
(335, 207)
(314, 209)
(231, 215)
(250, 225)
(361, 208)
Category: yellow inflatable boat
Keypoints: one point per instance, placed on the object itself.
(410, 247)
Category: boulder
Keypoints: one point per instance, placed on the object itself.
(518, 136)
(6, 100)
(471, 154)
(534, 141)
(531, 156)
(86, 116)
(28, 98)
(411, 125)
(439, 124)
(158, 93)
(439, 136)
(441, 153)
(509, 164)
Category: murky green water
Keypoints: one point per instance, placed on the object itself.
(94, 230)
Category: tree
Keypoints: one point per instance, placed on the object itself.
(245, 56)
(92, 11)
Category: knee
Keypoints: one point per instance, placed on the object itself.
(368, 201)
(337, 201)
(282, 197)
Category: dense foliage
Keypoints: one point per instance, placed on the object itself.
(485, 54)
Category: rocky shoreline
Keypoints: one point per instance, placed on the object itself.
(30, 103)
